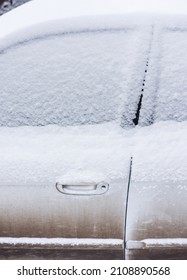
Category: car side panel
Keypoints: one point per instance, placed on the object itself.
(157, 212)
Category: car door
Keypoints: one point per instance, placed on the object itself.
(66, 79)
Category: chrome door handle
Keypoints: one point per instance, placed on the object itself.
(83, 188)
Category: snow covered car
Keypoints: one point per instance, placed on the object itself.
(93, 137)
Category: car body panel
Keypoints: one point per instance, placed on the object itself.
(95, 222)
(154, 213)
(49, 213)
(157, 212)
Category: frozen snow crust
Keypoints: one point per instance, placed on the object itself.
(34, 150)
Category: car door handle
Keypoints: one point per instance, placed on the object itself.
(83, 188)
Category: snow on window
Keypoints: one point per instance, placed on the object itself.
(172, 89)
(71, 79)
(165, 94)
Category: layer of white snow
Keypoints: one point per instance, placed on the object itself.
(71, 242)
(171, 103)
(165, 91)
(165, 242)
(151, 78)
(37, 11)
(71, 78)
(43, 155)
(160, 153)
(157, 243)
(60, 61)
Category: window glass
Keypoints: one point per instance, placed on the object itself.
(172, 87)
(70, 79)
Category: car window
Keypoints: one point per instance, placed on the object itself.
(172, 88)
(70, 79)
(165, 94)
